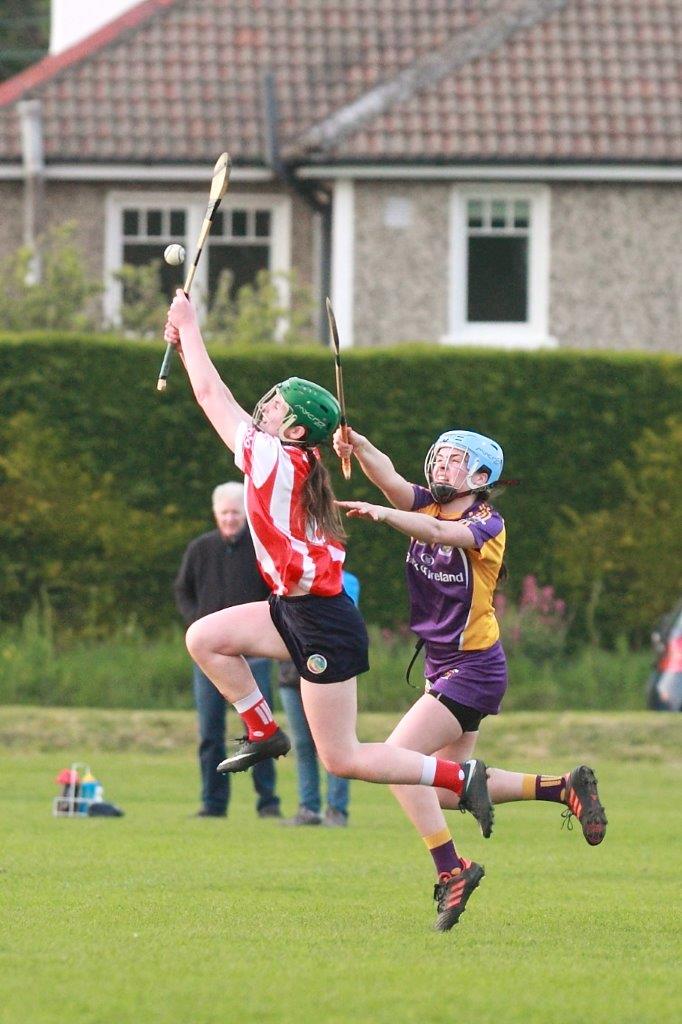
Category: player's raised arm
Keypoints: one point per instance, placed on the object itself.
(377, 467)
(210, 391)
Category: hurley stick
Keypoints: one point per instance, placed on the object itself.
(219, 185)
(345, 462)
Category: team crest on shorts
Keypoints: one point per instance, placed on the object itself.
(316, 663)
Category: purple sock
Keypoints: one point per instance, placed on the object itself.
(442, 849)
(550, 787)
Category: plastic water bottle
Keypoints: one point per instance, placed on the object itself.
(89, 786)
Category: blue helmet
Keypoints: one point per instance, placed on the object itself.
(483, 454)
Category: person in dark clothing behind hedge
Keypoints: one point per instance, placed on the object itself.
(219, 570)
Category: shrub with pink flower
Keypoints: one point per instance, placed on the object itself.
(537, 625)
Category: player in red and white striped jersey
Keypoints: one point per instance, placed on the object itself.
(298, 535)
(291, 551)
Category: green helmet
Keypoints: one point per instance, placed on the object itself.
(310, 405)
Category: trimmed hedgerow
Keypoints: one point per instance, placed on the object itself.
(83, 429)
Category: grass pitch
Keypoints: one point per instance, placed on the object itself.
(157, 918)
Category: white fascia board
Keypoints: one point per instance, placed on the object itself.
(136, 172)
(505, 172)
(463, 172)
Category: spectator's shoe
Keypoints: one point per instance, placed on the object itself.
(582, 799)
(452, 892)
(270, 811)
(335, 819)
(475, 797)
(252, 752)
(304, 816)
(206, 812)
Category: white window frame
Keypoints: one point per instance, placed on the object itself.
(534, 332)
(194, 204)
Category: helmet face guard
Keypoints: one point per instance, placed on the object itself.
(481, 454)
(309, 406)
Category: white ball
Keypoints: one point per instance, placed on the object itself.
(174, 254)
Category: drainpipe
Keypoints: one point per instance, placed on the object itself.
(31, 121)
(317, 197)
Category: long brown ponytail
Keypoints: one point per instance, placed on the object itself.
(319, 502)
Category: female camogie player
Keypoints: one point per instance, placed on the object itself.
(297, 534)
(453, 564)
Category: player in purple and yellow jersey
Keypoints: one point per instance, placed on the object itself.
(453, 565)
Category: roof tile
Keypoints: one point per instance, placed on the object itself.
(588, 81)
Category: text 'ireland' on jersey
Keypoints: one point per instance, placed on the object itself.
(289, 550)
(451, 589)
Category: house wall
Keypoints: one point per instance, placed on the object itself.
(615, 273)
(81, 203)
(84, 204)
(11, 217)
(400, 273)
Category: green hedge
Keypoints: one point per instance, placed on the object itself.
(91, 406)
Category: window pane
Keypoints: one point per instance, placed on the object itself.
(239, 223)
(153, 222)
(131, 222)
(521, 214)
(177, 222)
(262, 223)
(218, 223)
(475, 213)
(244, 261)
(497, 280)
(499, 214)
(170, 278)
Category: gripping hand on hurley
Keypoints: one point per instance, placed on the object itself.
(182, 313)
(352, 445)
(182, 317)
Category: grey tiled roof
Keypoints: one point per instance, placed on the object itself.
(366, 80)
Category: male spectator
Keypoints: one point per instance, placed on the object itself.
(219, 570)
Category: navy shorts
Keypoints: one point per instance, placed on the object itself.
(325, 636)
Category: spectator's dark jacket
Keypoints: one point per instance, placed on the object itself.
(216, 573)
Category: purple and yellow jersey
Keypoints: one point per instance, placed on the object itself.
(451, 589)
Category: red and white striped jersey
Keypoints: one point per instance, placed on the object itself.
(289, 550)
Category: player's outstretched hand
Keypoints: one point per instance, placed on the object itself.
(363, 510)
(182, 313)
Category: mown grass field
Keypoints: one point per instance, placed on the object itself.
(157, 918)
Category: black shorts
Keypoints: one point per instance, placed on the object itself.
(325, 636)
(469, 718)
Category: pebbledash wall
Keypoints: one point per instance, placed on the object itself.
(85, 205)
(614, 277)
(400, 273)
